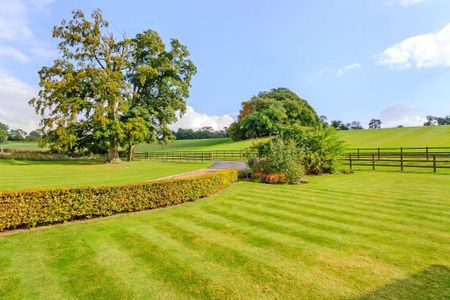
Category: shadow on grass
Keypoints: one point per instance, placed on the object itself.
(430, 283)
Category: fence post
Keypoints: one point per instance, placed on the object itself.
(202, 156)
(401, 158)
(358, 153)
(434, 163)
(373, 161)
(350, 160)
(378, 153)
(427, 153)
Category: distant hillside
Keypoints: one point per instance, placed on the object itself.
(398, 137)
(390, 137)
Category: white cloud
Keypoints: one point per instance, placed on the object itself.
(401, 114)
(14, 108)
(404, 3)
(13, 23)
(13, 53)
(342, 71)
(421, 51)
(195, 120)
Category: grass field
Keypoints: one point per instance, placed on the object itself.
(433, 136)
(16, 174)
(21, 146)
(369, 235)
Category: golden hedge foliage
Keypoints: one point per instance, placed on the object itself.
(29, 208)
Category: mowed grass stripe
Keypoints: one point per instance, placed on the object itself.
(316, 244)
(349, 217)
(134, 273)
(321, 236)
(340, 224)
(339, 201)
(170, 270)
(373, 199)
(299, 253)
(264, 273)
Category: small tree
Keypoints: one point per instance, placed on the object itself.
(431, 120)
(339, 125)
(375, 124)
(34, 135)
(106, 92)
(355, 125)
(17, 135)
(3, 133)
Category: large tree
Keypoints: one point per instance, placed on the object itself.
(269, 111)
(105, 92)
(3, 133)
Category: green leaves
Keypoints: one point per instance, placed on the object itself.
(104, 93)
(268, 112)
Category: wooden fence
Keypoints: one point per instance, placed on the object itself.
(405, 157)
(398, 158)
(195, 155)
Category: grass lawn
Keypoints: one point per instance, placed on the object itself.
(369, 235)
(199, 145)
(21, 146)
(433, 136)
(16, 174)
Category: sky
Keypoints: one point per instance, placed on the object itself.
(353, 60)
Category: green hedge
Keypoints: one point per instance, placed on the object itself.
(30, 208)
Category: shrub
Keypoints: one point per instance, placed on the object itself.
(29, 208)
(278, 161)
(320, 147)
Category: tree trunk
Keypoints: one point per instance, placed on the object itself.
(130, 152)
(113, 152)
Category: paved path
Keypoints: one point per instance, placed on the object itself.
(218, 165)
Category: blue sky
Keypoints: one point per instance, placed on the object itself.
(351, 59)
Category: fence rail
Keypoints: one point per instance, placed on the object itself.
(400, 158)
(404, 157)
(195, 155)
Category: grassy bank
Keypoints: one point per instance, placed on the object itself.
(32, 174)
(370, 235)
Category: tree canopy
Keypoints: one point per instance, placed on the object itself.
(105, 92)
(3, 132)
(269, 111)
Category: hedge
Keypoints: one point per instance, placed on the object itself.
(30, 208)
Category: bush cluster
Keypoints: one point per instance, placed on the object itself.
(30, 208)
(278, 161)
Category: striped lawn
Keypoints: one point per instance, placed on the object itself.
(22, 174)
(370, 235)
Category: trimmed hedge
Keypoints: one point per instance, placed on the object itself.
(30, 208)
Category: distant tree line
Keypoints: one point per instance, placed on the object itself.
(18, 135)
(203, 133)
(432, 120)
(354, 125)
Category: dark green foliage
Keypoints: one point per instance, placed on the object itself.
(375, 124)
(236, 132)
(105, 92)
(278, 156)
(320, 147)
(432, 120)
(266, 114)
(202, 133)
(3, 133)
(21, 209)
(17, 135)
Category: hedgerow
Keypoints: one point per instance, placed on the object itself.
(30, 208)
